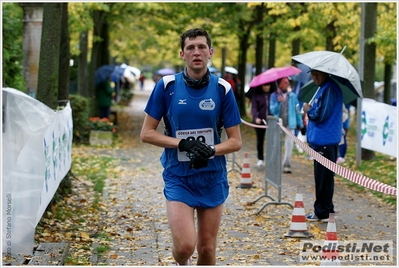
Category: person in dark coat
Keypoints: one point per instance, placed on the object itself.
(324, 132)
(260, 110)
(104, 93)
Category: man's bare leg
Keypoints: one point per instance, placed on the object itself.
(208, 227)
(181, 222)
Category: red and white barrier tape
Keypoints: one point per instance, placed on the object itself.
(342, 171)
(253, 125)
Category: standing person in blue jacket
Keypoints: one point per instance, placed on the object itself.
(195, 106)
(324, 132)
(283, 105)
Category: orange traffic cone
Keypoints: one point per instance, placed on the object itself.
(330, 253)
(246, 179)
(298, 226)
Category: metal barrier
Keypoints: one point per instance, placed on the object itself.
(234, 164)
(273, 162)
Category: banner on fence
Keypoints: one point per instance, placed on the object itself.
(37, 143)
(379, 127)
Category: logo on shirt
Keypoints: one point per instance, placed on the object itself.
(208, 104)
(182, 101)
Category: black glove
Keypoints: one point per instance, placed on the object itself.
(198, 162)
(195, 148)
(303, 131)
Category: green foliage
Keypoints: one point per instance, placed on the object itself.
(12, 46)
(385, 38)
(81, 118)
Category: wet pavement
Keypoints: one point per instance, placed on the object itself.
(141, 234)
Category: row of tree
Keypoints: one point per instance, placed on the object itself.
(266, 34)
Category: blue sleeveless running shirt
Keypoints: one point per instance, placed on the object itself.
(193, 114)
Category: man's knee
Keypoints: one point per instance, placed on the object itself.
(206, 250)
(184, 250)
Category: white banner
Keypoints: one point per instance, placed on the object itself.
(379, 126)
(36, 153)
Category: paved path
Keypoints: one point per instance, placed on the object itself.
(141, 235)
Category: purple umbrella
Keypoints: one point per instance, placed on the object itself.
(165, 71)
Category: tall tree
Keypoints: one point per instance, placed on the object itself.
(82, 64)
(47, 88)
(370, 27)
(100, 52)
(260, 11)
(80, 23)
(385, 40)
(65, 56)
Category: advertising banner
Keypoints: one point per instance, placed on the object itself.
(36, 153)
(379, 125)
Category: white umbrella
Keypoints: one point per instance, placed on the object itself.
(129, 76)
(134, 70)
(229, 69)
(131, 73)
(334, 64)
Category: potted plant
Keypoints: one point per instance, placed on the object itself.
(101, 131)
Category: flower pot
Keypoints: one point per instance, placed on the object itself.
(99, 137)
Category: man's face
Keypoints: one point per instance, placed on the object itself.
(196, 53)
(284, 84)
(318, 77)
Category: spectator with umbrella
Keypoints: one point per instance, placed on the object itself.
(337, 82)
(260, 109)
(103, 90)
(283, 105)
(276, 76)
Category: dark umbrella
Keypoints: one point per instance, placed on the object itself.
(117, 74)
(103, 73)
(309, 89)
(336, 65)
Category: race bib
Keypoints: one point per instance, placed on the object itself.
(204, 134)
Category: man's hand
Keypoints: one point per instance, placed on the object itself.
(195, 148)
(306, 107)
(198, 162)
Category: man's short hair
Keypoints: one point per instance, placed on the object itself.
(193, 33)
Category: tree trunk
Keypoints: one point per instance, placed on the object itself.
(47, 88)
(387, 83)
(330, 35)
(82, 65)
(32, 32)
(272, 50)
(65, 56)
(259, 54)
(100, 53)
(259, 39)
(241, 68)
(272, 45)
(296, 44)
(370, 27)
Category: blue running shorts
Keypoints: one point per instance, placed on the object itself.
(203, 190)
